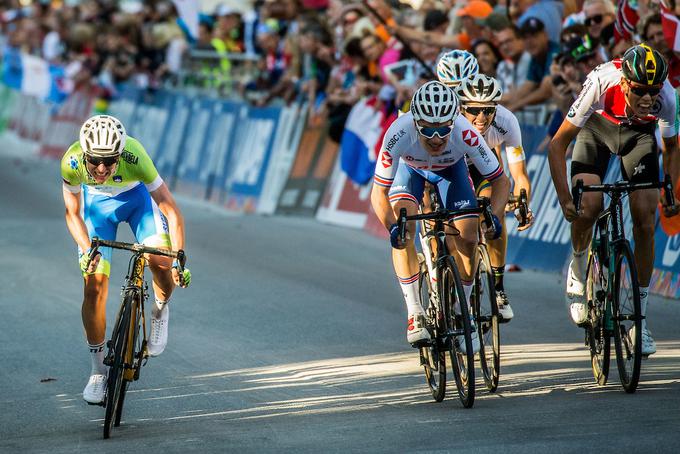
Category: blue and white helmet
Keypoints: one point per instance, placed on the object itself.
(455, 66)
(434, 102)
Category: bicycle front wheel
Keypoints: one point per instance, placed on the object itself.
(132, 348)
(597, 333)
(118, 346)
(460, 331)
(485, 311)
(627, 318)
(433, 356)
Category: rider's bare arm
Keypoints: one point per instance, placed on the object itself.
(166, 203)
(558, 166)
(381, 205)
(518, 171)
(74, 222)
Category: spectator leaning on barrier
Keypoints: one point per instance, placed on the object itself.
(537, 88)
(513, 70)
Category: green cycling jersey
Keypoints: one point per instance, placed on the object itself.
(134, 166)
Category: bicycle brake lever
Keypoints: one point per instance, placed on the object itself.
(576, 193)
(523, 207)
(668, 191)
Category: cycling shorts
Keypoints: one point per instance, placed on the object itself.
(453, 185)
(102, 214)
(635, 144)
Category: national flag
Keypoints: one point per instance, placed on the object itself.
(362, 132)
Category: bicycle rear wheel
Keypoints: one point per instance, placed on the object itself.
(597, 334)
(627, 318)
(117, 349)
(458, 324)
(433, 356)
(485, 310)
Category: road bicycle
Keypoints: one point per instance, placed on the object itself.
(127, 351)
(447, 316)
(612, 287)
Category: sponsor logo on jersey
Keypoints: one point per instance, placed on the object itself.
(460, 204)
(129, 158)
(483, 154)
(386, 159)
(499, 128)
(470, 137)
(117, 178)
(409, 158)
(394, 139)
(73, 162)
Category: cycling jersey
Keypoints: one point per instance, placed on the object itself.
(124, 197)
(134, 167)
(602, 94)
(401, 144)
(505, 130)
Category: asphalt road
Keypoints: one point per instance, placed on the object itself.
(291, 338)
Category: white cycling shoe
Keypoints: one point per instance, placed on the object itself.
(417, 331)
(460, 340)
(576, 298)
(158, 338)
(504, 308)
(95, 390)
(648, 343)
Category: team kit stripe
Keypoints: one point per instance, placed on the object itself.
(465, 216)
(382, 181)
(409, 280)
(403, 196)
(496, 173)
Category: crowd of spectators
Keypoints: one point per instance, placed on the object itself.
(334, 53)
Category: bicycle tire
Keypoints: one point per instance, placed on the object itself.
(597, 333)
(118, 345)
(462, 364)
(627, 318)
(135, 334)
(434, 354)
(485, 311)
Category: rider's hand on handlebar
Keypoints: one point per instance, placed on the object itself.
(493, 232)
(88, 266)
(182, 279)
(395, 241)
(569, 210)
(529, 219)
(668, 211)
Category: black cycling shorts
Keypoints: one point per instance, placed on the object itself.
(635, 144)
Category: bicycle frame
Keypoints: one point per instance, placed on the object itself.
(135, 283)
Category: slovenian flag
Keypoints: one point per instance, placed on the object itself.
(33, 76)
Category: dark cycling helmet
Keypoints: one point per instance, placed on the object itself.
(643, 65)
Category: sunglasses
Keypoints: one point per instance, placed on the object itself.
(596, 19)
(642, 90)
(475, 111)
(107, 161)
(429, 133)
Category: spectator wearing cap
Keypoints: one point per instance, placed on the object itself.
(228, 30)
(597, 15)
(472, 15)
(537, 88)
(513, 70)
(549, 12)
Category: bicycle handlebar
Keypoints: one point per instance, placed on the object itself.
(621, 187)
(484, 209)
(521, 203)
(136, 247)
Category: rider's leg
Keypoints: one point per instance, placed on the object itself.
(465, 245)
(93, 313)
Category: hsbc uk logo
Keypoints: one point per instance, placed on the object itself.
(470, 137)
(386, 159)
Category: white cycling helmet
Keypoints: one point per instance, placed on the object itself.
(434, 102)
(102, 136)
(455, 66)
(480, 88)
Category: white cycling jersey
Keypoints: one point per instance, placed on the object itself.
(401, 143)
(602, 94)
(505, 130)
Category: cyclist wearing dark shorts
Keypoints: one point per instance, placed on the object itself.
(616, 113)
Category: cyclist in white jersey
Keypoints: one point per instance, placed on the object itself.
(430, 144)
(479, 96)
(616, 113)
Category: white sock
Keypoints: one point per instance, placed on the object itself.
(158, 307)
(579, 264)
(97, 358)
(409, 287)
(644, 293)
